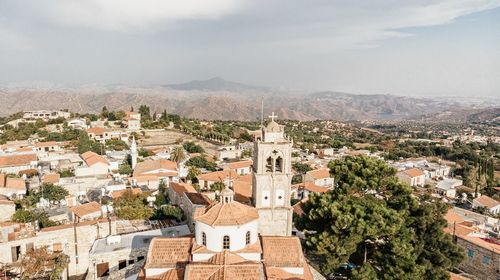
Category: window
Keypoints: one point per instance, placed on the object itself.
(247, 241)
(269, 164)
(122, 264)
(470, 253)
(140, 258)
(486, 260)
(226, 243)
(203, 239)
(278, 165)
(132, 261)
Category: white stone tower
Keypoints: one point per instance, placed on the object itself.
(133, 152)
(272, 179)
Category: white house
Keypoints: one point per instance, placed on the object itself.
(447, 187)
(414, 177)
(132, 120)
(485, 201)
(320, 177)
(45, 114)
(95, 166)
(243, 167)
(78, 123)
(18, 162)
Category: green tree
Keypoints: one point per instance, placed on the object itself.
(125, 169)
(217, 186)
(372, 221)
(201, 162)
(178, 154)
(132, 206)
(193, 173)
(191, 147)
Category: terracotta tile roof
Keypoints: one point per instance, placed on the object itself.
(97, 130)
(297, 207)
(218, 176)
(482, 243)
(198, 212)
(46, 144)
(413, 172)
(181, 188)
(12, 183)
(120, 193)
(51, 178)
(282, 251)
(80, 224)
(85, 209)
(24, 149)
(276, 273)
(173, 274)
(454, 276)
(226, 257)
(320, 173)
(242, 191)
(165, 252)
(486, 201)
(243, 270)
(252, 248)
(129, 118)
(233, 213)
(92, 158)
(154, 165)
(240, 164)
(310, 186)
(452, 217)
(198, 198)
(17, 160)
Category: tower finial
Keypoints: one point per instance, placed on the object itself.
(273, 116)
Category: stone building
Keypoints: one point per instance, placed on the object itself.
(272, 177)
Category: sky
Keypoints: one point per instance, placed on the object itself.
(410, 47)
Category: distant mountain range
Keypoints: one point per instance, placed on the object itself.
(220, 99)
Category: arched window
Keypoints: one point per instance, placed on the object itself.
(226, 243)
(278, 165)
(247, 240)
(269, 164)
(203, 239)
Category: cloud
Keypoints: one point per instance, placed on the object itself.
(121, 15)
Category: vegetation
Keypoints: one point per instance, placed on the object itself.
(191, 147)
(202, 163)
(30, 216)
(132, 206)
(39, 263)
(67, 173)
(86, 144)
(178, 155)
(50, 192)
(372, 222)
(217, 186)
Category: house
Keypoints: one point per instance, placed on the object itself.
(12, 187)
(51, 146)
(305, 188)
(18, 162)
(243, 167)
(447, 187)
(175, 192)
(320, 177)
(45, 115)
(230, 152)
(414, 177)
(161, 168)
(52, 178)
(482, 253)
(7, 208)
(489, 203)
(207, 179)
(152, 182)
(99, 134)
(78, 123)
(119, 193)
(95, 166)
(191, 201)
(121, 256)
(132, 120)
(86, 212)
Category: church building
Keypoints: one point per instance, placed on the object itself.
(237, 241)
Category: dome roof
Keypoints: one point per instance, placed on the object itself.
(226, 214)
(273, 126)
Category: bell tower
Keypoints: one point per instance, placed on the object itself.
(272, 179)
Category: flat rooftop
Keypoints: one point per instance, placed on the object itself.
(137, 240)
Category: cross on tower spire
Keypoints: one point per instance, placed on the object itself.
(273, 116)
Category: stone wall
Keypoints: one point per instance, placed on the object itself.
(475, 265)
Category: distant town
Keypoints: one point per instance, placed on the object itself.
(152, 195)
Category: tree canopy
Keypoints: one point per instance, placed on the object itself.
(371, 221)
(132, 206)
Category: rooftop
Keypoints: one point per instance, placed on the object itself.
(232, 213)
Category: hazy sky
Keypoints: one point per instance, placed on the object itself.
(410, 47)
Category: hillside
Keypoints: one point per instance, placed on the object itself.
(220, 99)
